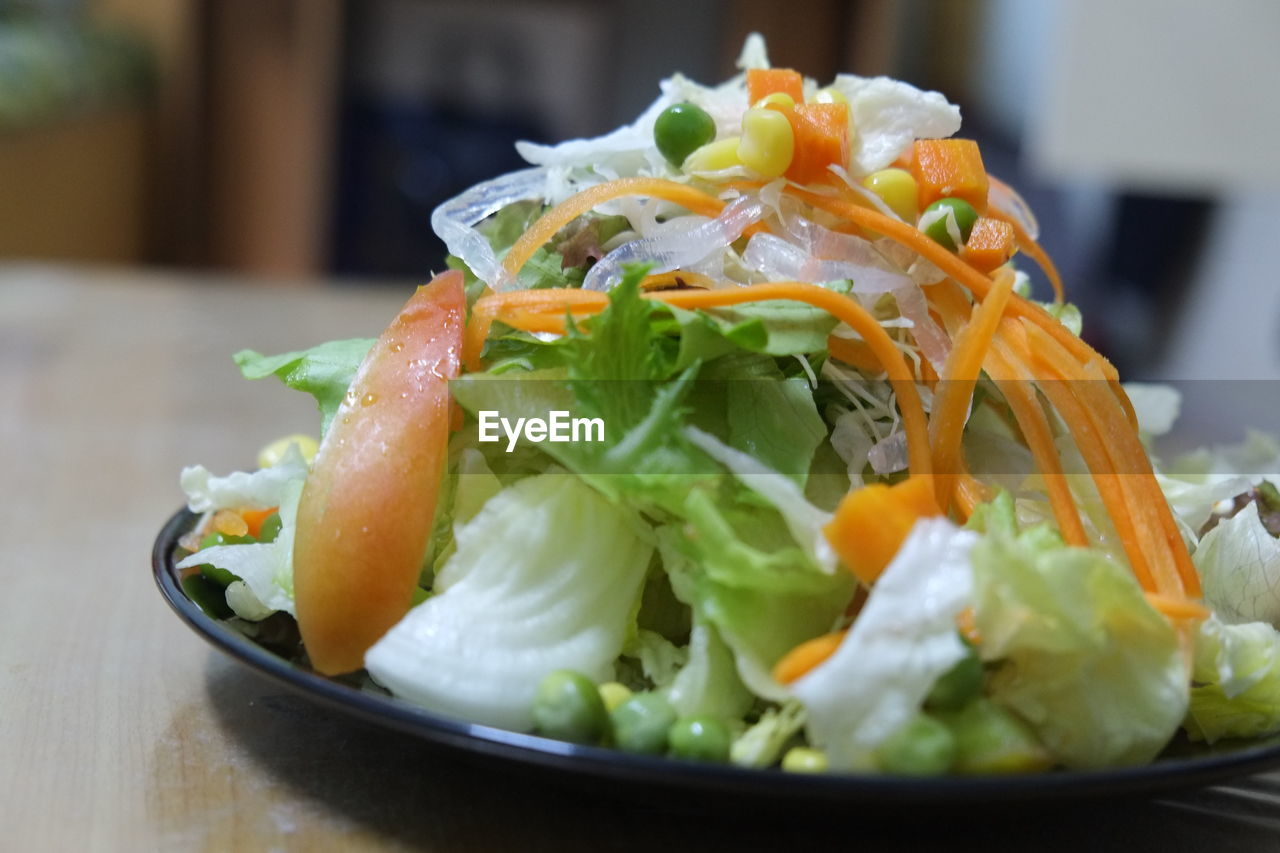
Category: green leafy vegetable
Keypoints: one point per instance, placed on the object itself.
(1082, 657)
(325, 371)
(1237, 682)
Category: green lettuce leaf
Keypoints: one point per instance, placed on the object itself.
(1239, 565)
(546, 576)
(1082, 657)
(325, 371)
(1237, 682)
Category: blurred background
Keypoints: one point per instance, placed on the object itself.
(295, 140)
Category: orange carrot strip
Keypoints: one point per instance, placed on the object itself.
(1105, 409)
(1033, 250)
(571, 208)
(959, 377)
(853, 352)
(675, 278)
(950, 264)
(1148, 554)
(1178, 608)
(807, 656)
(1013, 380)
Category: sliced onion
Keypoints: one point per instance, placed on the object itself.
(667, 252)
(454, 221)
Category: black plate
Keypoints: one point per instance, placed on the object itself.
(1192, 765)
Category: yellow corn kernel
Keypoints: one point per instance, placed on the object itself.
(897, 188)
(830, 96)
(274, 452)
(768, 142)
(779, 98)
(714, 156)
(613, 694)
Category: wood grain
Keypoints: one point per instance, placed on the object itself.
(121, 730)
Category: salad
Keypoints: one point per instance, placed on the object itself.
(737, 435)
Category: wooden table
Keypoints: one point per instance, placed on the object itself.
(121, 730)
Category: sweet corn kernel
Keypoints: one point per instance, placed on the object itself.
(768, 142)
(779, 98)
(613, 694)
(274, 452)
(897, 188)
(714, 156)
(800, 759)
(830, 96)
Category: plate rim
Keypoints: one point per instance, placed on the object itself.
(1161, 776)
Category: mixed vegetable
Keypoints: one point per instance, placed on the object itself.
(857, 502)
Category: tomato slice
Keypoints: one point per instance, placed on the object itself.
(365, 516)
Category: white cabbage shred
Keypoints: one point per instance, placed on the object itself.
(903, 640)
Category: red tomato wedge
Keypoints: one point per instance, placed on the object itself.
(366, 511)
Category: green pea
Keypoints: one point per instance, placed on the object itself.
(959, 685)
(641, 723)
(923, 747)
(567, 706)
(699, 739)
(953, 208)
(681, 129)
(270, 528)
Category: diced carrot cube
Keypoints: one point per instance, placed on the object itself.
(950, 168)
(821, 140)
(766, 81)
(871, 523)
(991, 244)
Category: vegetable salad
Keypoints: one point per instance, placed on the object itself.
(854, 499)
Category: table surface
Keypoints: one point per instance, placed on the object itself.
(121, 729)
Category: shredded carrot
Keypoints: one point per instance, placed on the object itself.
(959, 377)
(1178, 608)
(1106, 410)
(571, 208)
(950, 264)
(1013, 380)
(1108, 458)
(806, 656)
(853, 352)
(675, 279)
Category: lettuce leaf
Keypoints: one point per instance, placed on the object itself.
(1239, 565)
(1237, 682)
(546, 576)
(325, 371)
(736, 565)
(903, 640)
(1082, 657)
